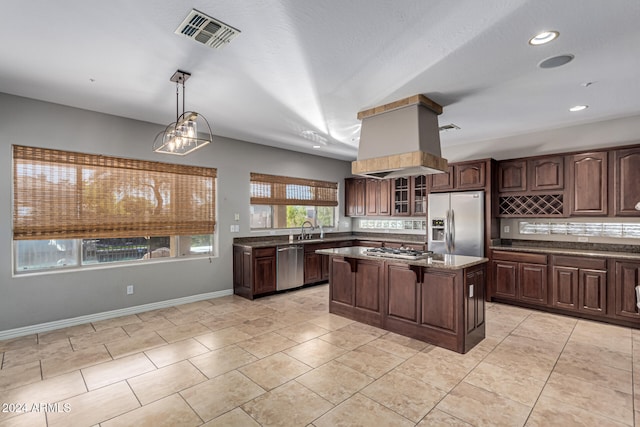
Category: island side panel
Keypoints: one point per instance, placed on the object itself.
(356, 289)
(474, 295)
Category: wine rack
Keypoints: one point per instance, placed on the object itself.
(531, 205)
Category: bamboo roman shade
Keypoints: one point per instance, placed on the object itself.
(64, 195)
(284, 190)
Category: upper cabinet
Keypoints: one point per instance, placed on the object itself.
(588, 184)
(401, 196)
(419, 195)
(378, 197)
(460, 176)
(442, 181)
(354, 196)
(512, 176)
(544, 174)
(626, 179)
(470, 176)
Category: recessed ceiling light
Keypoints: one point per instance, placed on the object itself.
(578, 108)
(543, 38)
(556, 61)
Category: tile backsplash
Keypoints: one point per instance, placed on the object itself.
(602, 230)
(391, 225)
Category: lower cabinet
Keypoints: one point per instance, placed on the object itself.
(356, 289)
(254, 271)
(627, 277)
(443, 307)
(580, 284)
(520, 276)
(316, 266)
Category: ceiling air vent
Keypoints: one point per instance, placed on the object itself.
(446, 128)
(206, 30)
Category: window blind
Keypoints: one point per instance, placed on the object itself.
(284, 190)
(60, 194)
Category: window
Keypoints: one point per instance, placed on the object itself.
(73, 209)
(285, 202)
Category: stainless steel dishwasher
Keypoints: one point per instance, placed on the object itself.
(290, 267)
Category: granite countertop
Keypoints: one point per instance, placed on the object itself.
(328, 239)
(448, 262)
(567, 251)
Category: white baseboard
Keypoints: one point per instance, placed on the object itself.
(65, 323)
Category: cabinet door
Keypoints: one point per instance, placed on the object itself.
(312, 267)
(533, 283)
(419, 195)
(372, 197)
(324, 268)
(470, 176)
(593, 291)
(242, 266)
(474, 285)
(512, 176)
(442, 181)
(401, 192)
(439, 302)
(264, 275)
(565, 287)
(626, 167)
(588, 180)
(402, 293)
(546, 173)
(627, 278)
(341, 282)
(505, 276)
(354, 194)
(368, 286)
(384, 199)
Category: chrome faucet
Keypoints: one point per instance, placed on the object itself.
(303, 235)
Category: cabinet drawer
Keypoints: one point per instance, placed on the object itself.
(264, 252)
(581, 262)
(519, 257)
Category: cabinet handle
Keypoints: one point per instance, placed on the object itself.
(470, 291)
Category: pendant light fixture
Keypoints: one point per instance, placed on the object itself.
(181, 137)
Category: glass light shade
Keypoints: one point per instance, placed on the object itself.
(181, 137)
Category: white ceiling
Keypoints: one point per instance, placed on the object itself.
(304, 65)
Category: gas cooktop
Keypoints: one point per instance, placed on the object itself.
(402, 253)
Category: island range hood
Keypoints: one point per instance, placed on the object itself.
(400, 139)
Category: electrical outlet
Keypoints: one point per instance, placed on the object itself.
(583, 239)
(507, 229)
(236, 216)
(129, 289)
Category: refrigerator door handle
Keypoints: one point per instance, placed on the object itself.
(452, 231)
(447, 232)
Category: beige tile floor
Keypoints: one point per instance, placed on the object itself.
(284, 360)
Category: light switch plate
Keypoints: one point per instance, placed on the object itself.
(507, 229)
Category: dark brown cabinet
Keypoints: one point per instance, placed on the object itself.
(442, 181)
(419, 193)
(355, 196)
(580, 284)
(460, 176)
(512, 176)
(254, 271)
(520, 277)
(470, 176)
(378, 197)
(626, 179)
(627, 277)
(356, 289)
(316, 266)
(401, 196)
(540, 174)
(588, 184)
(546, 174)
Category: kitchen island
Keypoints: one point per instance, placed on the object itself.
(438, 300)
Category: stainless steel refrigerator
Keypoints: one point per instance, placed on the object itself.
(456, 223)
